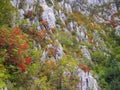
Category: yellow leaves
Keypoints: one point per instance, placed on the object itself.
(2, 68)
(68, 63)
(31, 29)
(74, 37)
(96, 27)
(4, 33)
(48, 71)
(82, 19)
(78, 17)
(41, 83)
(51, 63)
(41, 9)
(80, 22)
(90, 37)
(2, 72)
(92, 26)
(36, 54)
(58, 7)
(78, 53)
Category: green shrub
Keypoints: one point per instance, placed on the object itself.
(6, 12)
(98, 57)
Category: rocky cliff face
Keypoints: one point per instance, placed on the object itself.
(77, 19)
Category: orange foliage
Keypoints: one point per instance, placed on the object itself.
(84, 67)
(16, 46)
(2, 42)
(52, 29)
(90, 37)
(112, 24)
(65, 51)
(24, 46)
(22, 66)
(20, 52)
(12, 40)
(52, 51)
(28, 60)
(44, 22)
(44, 31)
(41, 35)
(23, 36)
(16, 31)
